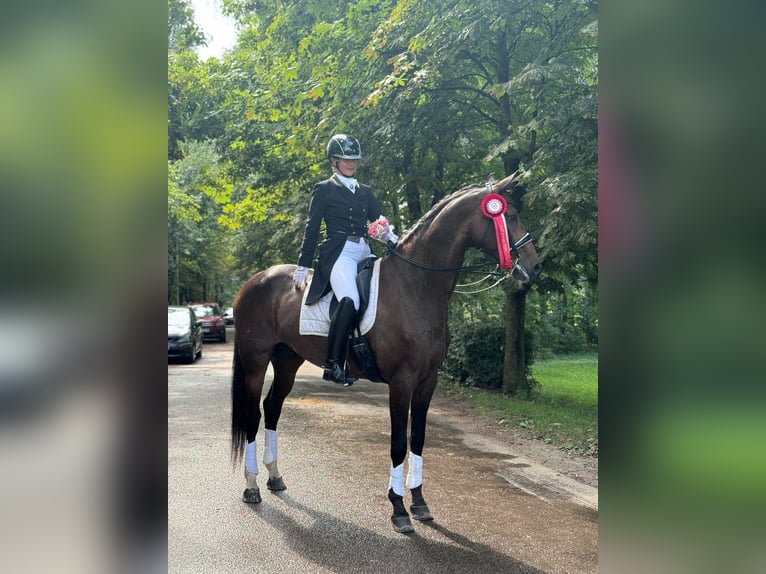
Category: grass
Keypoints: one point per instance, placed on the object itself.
(564, 410)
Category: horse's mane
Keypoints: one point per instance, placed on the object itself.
(425, 221)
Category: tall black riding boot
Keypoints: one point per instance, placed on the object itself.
(337, 344)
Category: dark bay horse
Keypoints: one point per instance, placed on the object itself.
(409, 338)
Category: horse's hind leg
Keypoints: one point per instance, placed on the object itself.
(421, 400)
(286, 363)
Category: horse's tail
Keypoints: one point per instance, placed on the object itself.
(238, 408)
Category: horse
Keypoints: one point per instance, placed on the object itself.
(409, 338)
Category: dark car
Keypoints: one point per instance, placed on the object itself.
(228, 315)
(184, 334)
(213, 323)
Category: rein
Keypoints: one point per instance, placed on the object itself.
(463, 269)
(505, 277)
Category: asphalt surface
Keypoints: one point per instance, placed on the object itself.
(495, 509)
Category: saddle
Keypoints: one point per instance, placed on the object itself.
(359, 346)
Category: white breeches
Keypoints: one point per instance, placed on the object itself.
(343, 275)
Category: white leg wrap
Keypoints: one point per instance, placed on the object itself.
(251, 458)
(415, 471)
(270, 453)
(270, 447)
(396, 482)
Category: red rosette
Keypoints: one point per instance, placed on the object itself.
(494, 205)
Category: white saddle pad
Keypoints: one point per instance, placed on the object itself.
(315, 319)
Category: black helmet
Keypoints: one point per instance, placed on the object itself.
(344, 147)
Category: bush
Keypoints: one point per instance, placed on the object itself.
(475, 355)
(453, 366)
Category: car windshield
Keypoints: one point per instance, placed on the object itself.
(178, 317)
(204, 310)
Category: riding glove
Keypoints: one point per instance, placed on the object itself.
(300, 275)
(391, 236)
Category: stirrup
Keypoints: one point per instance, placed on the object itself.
(349, 379)
(335, 373)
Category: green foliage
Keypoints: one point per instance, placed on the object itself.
(183, 32)
(557, 323)
(563, 321)
(198, 246)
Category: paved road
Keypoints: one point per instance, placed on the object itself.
(495, 510)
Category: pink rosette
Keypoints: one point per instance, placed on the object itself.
(378, 228)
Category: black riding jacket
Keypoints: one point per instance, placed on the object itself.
(345, 214)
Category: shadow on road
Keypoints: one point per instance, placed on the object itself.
(337, 545)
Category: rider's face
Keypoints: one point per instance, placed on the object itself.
(347, 167)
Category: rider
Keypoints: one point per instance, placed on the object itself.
(346, 206)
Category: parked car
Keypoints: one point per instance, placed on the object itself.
(213, 324)
(228, 315)
(184, 334)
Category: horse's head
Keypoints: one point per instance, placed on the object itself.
(501, 233)
(482, 217)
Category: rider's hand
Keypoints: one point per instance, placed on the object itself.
(391, 236)
(300, 275)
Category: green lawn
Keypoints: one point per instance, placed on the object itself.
(564, 411)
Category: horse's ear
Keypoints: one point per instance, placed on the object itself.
(514, 191)
(517, 196)
(506, 183)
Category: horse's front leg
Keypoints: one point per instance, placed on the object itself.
(421, 400)
(399, 402)
(286, 364)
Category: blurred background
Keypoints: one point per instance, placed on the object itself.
(83, 106)
(83, 162)
(681, 401)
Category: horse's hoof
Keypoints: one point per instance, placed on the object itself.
(251, 495)
(421, 512)
(276, 484)
(402, 524)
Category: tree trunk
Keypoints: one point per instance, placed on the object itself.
(514, 361)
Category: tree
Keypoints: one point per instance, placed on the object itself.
(183, 32)
(198, 246)
(518, 79)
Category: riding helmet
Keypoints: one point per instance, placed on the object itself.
(344, 147)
